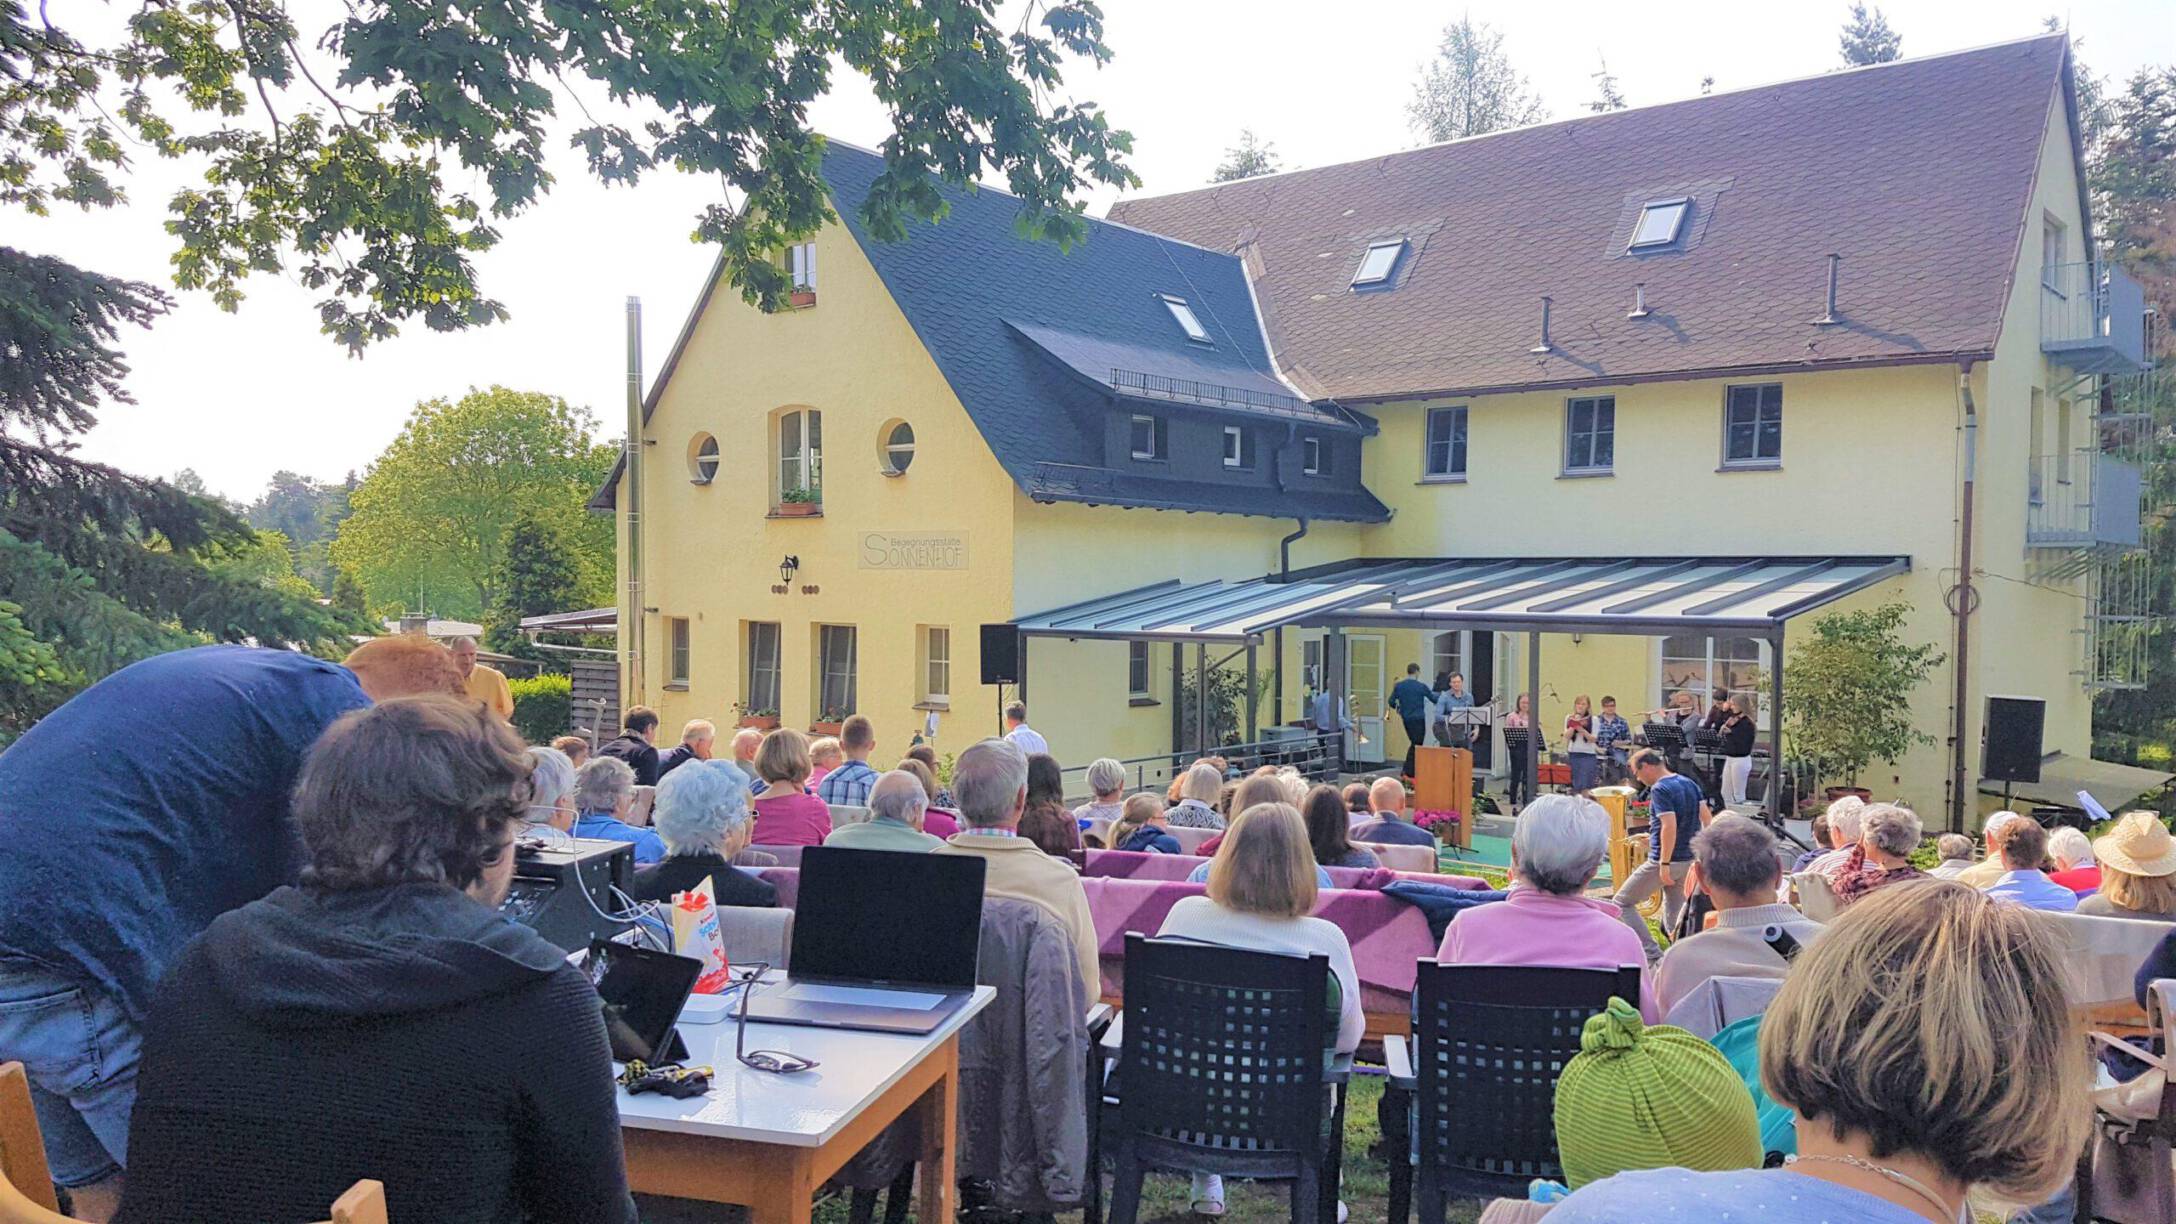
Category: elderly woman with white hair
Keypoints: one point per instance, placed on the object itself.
(2075, 867)
(1888, 833)
(1845, 827)
(549, 818)
(1106, 780)
(1557, 845)
(604, 792)
(1199, 790)
(703, 816)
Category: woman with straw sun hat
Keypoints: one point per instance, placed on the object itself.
(2137, 860)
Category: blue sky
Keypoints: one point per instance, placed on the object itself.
(239, 396)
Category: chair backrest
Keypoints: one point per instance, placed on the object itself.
(782, 856)
(1416, 859)
(1816, 899)
(364, 1203)
(843, 815)
(1223, 1047)
(755, 935)
(26, 1185)
(1190, 839)
(1489, 1042)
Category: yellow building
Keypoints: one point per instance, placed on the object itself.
(1760, 337)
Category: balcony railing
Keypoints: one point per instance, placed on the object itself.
(2087, 500)
(2093, 318)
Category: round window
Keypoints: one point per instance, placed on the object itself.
(702, 459)
(897, 449)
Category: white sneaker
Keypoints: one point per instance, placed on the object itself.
(1208, 1194)
(1341, 1212)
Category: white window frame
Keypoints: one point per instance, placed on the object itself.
(1238, 448)
(763, 665)
(679, 659)
(1313, 451)
(1140, 670)
(1184, 316)
(1312, 653)
(2065, 455)
(801, 266)
(936, 665)
(2054, 250)
(1453, 660)
(1759, 406)
(806, 461)
(1644, 239)
(1763, 661)
(2037, 451)
(889, 451)
(1158, 440)
(1378, 263)
(1593, 435)
(830, 640)
(703, 459)
(1455, 445)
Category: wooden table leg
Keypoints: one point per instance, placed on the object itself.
(939, 1110)
(787, 1197)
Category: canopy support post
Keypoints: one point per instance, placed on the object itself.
(1775, 723)
(1201, 698)
(1532, 764)
(1253, 680)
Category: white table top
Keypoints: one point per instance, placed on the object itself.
(802, 1110)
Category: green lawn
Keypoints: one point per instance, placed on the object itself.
(1366, 1194)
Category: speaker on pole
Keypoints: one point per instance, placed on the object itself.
(1000, 654)
(2010, 739)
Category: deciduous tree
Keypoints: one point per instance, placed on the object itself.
(1851, 685)
(429, 523)
(1471, 87)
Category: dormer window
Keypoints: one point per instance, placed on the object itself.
(1184, 315)
(1380, 261)
(1148, 439)
(1238, 448)
(1660, 223)
(1314, 459)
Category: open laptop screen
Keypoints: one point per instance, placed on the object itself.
(913, 919)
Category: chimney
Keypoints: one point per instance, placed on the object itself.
(1828, 317)
(415, 622)
(1544, 346)
(1639, 302)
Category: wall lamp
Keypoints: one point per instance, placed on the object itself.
(787, 568)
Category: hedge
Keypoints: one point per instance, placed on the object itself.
(543, 707)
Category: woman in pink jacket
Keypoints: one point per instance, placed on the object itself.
(1556, 847)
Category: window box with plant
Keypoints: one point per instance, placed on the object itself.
(832, 723)
(801, 503)
(761, 720)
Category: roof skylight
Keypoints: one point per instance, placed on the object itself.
(1379, 262)
(1186, 320)
(1659, 224)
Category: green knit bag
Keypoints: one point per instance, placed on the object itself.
(1650, 1098)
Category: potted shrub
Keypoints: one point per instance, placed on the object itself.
(761, 720)
(800, 502)
(1444, 824)
(1849, 704)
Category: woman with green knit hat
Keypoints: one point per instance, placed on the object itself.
(1650, 1098)
(1928, 1047)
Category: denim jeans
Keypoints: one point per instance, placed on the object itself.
(80, 1052)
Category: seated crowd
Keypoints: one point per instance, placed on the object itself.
(223, 995)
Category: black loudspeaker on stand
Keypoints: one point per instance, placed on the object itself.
(2010, 739)
(1000, 654)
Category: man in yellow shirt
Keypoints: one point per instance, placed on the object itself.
(990, 783)
(482, 683)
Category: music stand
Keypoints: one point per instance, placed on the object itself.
(1669, 737)
(1516, 748)
(1468, 717)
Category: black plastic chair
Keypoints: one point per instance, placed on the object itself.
(1223, 1067)
(1488, 1044)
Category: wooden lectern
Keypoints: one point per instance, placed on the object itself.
(1443, 782)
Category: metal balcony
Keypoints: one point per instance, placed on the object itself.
(2093, 318)
(2087, 501)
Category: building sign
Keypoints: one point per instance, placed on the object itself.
(882, 550)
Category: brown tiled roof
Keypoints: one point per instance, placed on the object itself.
(1917, 173)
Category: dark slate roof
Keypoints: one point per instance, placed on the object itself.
(1017, 325)
(1039, 342)
(1916, 172)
